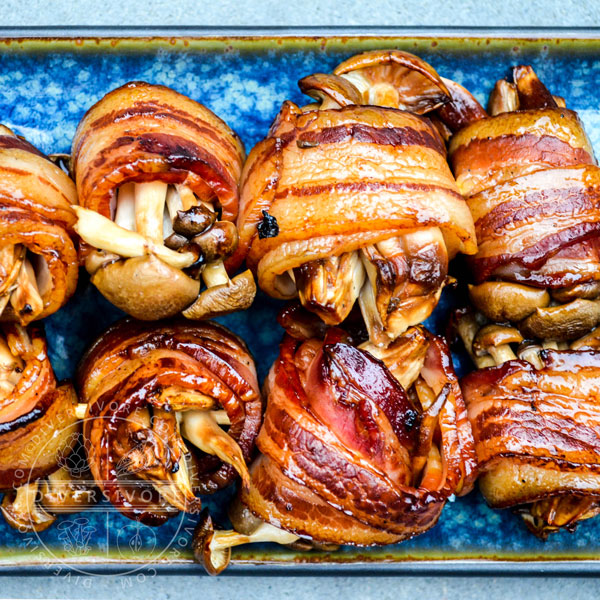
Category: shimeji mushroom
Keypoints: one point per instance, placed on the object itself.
(563, 322)
(22, 510)
(168, 236)
(33, 506)
(203, 430)
(20, 286)
(504, 98)
(212, 548)
(153, 449)
(495, 341)
(329, 287)
(507, 301)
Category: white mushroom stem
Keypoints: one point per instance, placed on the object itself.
(102, 233)
(202, 430)
(501, 353)
(550, 345)
(125, 210)
(532, 355)
(150, 200)
(188, 198)
(221, 540)
(174, 202)
(214, 274)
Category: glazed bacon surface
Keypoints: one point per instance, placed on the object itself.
(348, 455)
(365, 203)
(532, 185)
(157, 176)
(537, 436)
(38, 260)
(157, 395)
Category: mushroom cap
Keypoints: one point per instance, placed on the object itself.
(217, 300)
(506, 301)
(494, 335)
(146, 287)
(564, 322)
(25, 518)
(588, 291)
(321, 86)
(213, 560)
(415, 84)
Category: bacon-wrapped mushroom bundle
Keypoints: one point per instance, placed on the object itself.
(157, 176)
(352, 199)
(360, 445)
(535, 414)
(533, 187)
(38, 260)
(173, 409)
(38, 430)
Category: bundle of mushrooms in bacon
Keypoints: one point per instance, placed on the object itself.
(352, 199)
(534, 403)
(360, 445)
(38, 430)
(157, 177)
(173, 409)
(38, 260)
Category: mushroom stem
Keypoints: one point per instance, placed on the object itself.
(174, 203)
(150, 199)
(467, 328)
(125, 210)
(501, 354)
(102, 233)
(264, 533)
(215, 274)
(531, 353)
(550, 345)
(202, 430)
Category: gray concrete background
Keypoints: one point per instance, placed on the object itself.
(308, 13)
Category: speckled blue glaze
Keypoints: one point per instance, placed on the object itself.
(43, 95)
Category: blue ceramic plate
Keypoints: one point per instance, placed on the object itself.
(47, 84)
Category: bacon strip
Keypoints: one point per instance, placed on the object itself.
(137, 371)
(537, 435)
(142, 132)
(531, 183)
(37, 416)
(339, 438)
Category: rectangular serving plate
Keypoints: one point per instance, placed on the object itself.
(48, 79)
